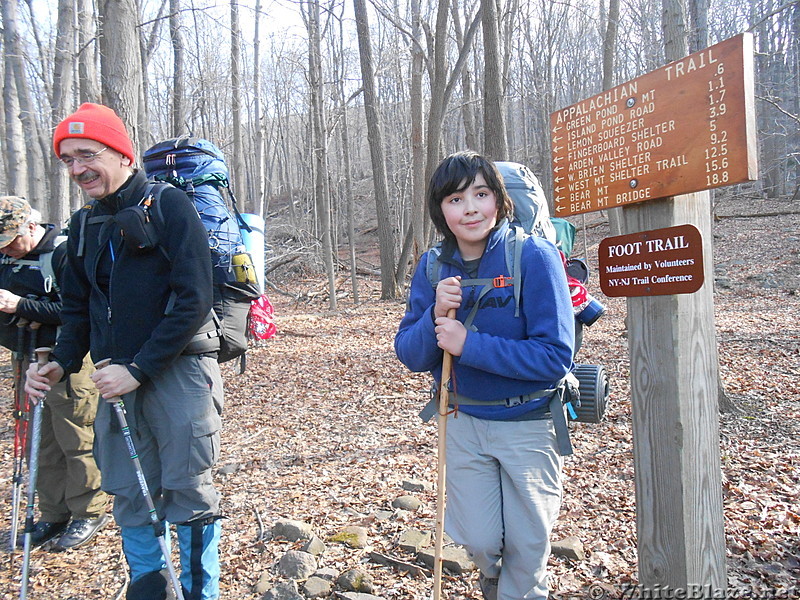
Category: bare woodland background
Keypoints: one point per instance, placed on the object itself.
(331, 114)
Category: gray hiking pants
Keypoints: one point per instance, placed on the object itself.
(175, 424)
(503, 498)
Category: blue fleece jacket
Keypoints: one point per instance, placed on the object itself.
(505, 356)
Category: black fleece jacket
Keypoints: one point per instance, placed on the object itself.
(36, 304)
(116, 297)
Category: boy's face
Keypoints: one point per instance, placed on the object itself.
(471, 214)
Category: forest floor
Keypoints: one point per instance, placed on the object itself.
(322, 428)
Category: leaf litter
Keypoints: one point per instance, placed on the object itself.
(322, 427)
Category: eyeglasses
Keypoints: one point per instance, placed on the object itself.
(85, 158)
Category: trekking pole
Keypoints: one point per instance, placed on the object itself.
(21, 415)
(42, 356)
(441, 468)
(158, 527)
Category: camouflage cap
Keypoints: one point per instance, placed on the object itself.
(13, 213)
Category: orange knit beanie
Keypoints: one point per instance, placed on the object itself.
(95, 122)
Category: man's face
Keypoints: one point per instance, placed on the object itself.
(22, 244)
(97, 169)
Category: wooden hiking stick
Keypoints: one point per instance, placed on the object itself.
(441, 467)
(158, 527)
(42, 356)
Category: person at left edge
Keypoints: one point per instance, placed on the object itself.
(148, 310)
(72, 507)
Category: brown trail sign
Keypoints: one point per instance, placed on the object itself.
(652, 263)
(681, 128)
(664, 137)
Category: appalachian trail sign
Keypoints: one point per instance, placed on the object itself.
(681, 128)
(653, 146)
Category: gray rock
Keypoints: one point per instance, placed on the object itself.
(327, 573)
(406, 503)
(357, 596)
(314, 546)
(383, 515)
(297, 565)
(292, 530)
(353, 536)
(570, 547)
(284, 590)
(414, 540)
(454, 558)
(723, 282)
(417, 485)
(356, 580)
(264, 583)
(317, 587)
(229, 468)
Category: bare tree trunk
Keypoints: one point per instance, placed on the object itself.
(35, 185)
(14, 160)
(442, 83)
(347, 169)
(178, 71)
(698, 20)
(609, 51)
(62, 85)
(348, 190)
(121, 67)
(417, 146)
(319, 146)
(467, 97)
(495, 145)
(386, 237)
(236, 161)
(88, 83)
(148, 42)
(258, 202)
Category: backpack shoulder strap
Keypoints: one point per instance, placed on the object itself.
(48, 267)
(433, 267)
(515, 238)
(86, 210)
(152, 199)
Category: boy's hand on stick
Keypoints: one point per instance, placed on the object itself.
(450, 335)
(448, 295)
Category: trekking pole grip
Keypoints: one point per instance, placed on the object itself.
(43, 355)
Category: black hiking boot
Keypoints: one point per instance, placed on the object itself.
(43, 531)
(80, 532)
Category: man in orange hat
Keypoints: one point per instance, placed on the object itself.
(148, 309)
(72, 507)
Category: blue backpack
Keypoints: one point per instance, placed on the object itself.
(198, 167)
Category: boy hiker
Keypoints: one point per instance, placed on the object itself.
(142, 305)
(68, 483)
(503, 463)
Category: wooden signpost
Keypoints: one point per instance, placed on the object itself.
(650, 146)
(679, 129)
